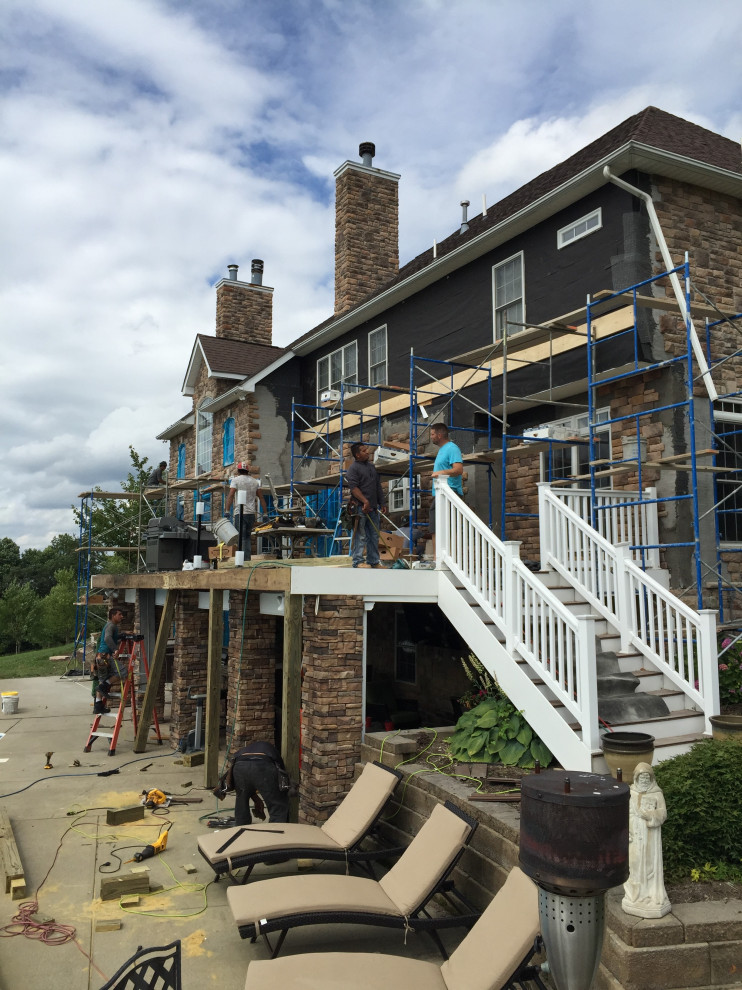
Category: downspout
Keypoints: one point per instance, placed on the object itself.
(674, 280)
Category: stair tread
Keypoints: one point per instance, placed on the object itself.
(681, 713)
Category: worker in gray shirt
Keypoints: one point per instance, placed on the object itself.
(367, 498)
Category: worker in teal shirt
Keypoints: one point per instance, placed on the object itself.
(449, 464)
(448, 461)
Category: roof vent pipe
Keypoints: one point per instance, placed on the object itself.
(367, 150)
(232, 269)
(464, 208)
(256, 271)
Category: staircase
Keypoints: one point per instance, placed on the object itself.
(590, 638)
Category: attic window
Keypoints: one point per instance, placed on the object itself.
(580, 228)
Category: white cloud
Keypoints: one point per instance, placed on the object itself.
(146, 144)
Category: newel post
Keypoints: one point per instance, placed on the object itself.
(624, 597)
(511, 592)
(587, 682)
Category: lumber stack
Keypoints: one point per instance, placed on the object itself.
(10, 860)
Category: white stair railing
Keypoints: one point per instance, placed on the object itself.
(620, 516)
(679, 641)
(558, 646)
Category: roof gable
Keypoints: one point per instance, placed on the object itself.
(226, 358)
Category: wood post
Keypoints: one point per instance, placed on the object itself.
(213, 687)
(292, 654)
(156, 668)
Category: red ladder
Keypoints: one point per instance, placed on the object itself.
(130, 649)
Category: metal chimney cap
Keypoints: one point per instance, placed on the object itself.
(256, 269)
(367, 150)
(464, 202)
(232, 269)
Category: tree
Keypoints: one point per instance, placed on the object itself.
(19, 615)
(58, 608)
(10, 559)
(38, 567)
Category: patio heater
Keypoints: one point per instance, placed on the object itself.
(199, 516)
(574, 843)
(239, 557)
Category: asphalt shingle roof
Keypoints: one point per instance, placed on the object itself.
(237, 357)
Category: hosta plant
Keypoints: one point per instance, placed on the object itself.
(496, 732)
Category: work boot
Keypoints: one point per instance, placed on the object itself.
(99, 708)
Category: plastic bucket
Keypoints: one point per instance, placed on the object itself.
(10, 702)
(225, 532)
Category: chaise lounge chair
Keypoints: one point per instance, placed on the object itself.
(495, 954)
(340, 838)
(398, 900)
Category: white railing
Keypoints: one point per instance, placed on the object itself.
(620, 516)
(679, 641)
(558, 646)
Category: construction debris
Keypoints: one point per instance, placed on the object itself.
(15, 882)
(118, 816)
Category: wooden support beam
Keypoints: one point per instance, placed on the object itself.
(10, 860)
(213, 687)
(291, 727)
(156, 667)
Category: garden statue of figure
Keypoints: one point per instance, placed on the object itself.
(644, 892)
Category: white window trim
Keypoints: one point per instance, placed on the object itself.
(571, 423)
(200, 447)
(505, 261)
(328, 358)
(562, 243)
(372, 333)
(728, 411)
(401, 487)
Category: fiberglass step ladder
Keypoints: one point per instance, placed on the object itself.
(129, 651)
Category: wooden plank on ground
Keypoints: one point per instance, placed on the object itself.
(10, 859)
(112, 888)
(118, 816)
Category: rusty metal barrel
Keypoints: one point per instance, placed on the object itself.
(574, 832)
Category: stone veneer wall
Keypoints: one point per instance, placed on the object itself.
(189, 662)
(244, 312)
(332, 702)
(252, 667)
(697, 945)
(366, 233)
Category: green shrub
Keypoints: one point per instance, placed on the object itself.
(496, 732)
(702, 790)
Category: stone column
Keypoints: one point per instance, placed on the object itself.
(332, 703)
(252, 672)
(189, 662)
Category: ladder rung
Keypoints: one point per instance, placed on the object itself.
(106, 735)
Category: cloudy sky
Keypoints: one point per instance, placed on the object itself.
(147, 144)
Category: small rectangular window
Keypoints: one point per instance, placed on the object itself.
(507, 291)
(574, 461)
(377, 357)
(338, 368)
(728, 430)
(580, 228)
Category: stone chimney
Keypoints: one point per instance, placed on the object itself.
(366, 229)
(244, 310)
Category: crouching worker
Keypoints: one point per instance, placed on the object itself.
(257, 773)
(105, 669)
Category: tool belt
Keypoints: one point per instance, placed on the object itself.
(102, 667)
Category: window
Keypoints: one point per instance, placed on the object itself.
(399, 493)
(728, 416)
(507, 291)
(228, 441)
(405, 650)
(337, 368)
(572, 461)
(377, 356)
(204, 423)
(181, 460)
(580, 228)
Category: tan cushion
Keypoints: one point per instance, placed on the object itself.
(341, 970)
(265, 838)
(500, 939)
(281, 896)
(360, 806)
(425, 860)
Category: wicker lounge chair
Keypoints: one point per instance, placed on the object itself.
(495, 954)
(340, 838)
(398, 900)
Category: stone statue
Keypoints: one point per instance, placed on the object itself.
(644, 892)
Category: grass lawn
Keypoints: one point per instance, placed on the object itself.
(35, 663)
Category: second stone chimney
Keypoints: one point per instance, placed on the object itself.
(244, 310)
(366, 229)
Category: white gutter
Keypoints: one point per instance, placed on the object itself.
(674, 280)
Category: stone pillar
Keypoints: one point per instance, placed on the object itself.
(189, 662)
(252, 671)
(332, 703)
(244, 311)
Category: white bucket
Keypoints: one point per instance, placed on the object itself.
(10, 702)
(225, 532)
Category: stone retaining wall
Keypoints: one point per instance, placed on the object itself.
(697, 945)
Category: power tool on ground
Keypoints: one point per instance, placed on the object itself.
(158, 846)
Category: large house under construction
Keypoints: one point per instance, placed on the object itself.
(581, 340)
